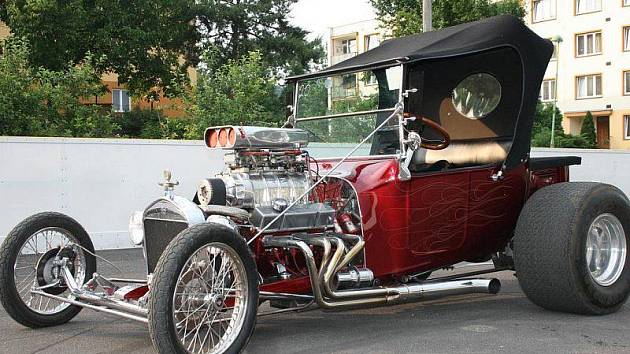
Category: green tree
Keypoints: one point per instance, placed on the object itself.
(404, 17)
(42, 102)
(588, 130)
(541, 130)
(233, 28)
(144, 41)
(235, 93)
(543, 117)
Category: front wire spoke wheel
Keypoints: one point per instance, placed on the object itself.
(34, 269)
(30, 260)
(204, 293)
(209, 299)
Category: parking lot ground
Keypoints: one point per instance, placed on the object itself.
(503, 323)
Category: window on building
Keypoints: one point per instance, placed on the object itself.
(586, 6)
(372, 41)
(349, 46)
(370, 78)
(626, 83)
(121, 101)
(589, 86)
(543, 10)
(626, 38)
(588, 43)
(548, 90)
(626, 127)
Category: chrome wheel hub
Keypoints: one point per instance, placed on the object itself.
(35, 269)
(606, 249)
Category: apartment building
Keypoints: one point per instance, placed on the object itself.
(345, 42)
(591, 64)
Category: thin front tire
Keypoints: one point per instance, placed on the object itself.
(204, 294)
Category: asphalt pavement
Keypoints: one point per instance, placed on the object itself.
(503, 323)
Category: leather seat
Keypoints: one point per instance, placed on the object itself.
(461, 153)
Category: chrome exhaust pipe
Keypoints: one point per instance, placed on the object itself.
(326, 297)
(449, 288)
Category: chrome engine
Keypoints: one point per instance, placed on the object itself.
(258, 182)
(265, 171)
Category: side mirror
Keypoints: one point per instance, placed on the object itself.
(411, 144)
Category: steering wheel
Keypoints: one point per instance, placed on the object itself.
(433, 144)
(436, 144)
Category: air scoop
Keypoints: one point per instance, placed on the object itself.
(248, 137)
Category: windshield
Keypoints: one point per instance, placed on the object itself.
(346, 108)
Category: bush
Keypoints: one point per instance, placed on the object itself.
(588, 130)
(141, 123)
(572, 141)
(541, 132)
(541, 138)
(39, 102)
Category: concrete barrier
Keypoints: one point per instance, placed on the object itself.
(100, 182)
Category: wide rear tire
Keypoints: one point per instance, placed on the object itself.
(570, 248)
(189, 299)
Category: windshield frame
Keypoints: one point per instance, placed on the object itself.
(401, 101)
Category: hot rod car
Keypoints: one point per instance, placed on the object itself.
(434, 130)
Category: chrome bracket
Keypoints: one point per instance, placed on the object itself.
(412, 144)
(498, 176)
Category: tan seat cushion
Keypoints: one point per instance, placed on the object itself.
(465, 153)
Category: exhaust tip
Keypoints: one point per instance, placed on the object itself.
(494, 286)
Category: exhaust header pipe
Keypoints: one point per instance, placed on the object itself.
(326, 297)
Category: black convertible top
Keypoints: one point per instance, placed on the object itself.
(437, 61)
(467, 38)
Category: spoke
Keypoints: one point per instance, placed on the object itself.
(47, 303)
(190, 314)
(211, 274)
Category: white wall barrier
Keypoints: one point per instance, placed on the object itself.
(100, 182)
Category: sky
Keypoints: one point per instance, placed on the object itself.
(317, 16)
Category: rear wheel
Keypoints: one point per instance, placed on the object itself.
(204, 293)
(570, 248)
(27, 259)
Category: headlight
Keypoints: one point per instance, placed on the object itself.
(136, 228)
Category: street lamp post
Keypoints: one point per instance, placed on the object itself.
(556, 40)
(427, 16)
